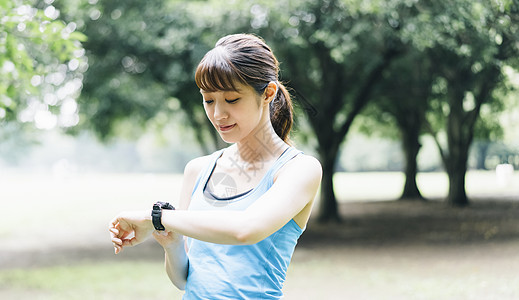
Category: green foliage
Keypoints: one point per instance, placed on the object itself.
(41, 61)
(402, 97)
(441, 59)
(473, 44)
(87, 280)
(142, 57)
(330, 53)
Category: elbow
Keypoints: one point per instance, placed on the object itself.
(179, 284)
(243, 238)
(177, 274)
(246, 239)
(246, 230)
(248, 236)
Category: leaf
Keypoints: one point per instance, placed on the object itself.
(78, 36)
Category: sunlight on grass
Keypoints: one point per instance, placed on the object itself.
(371, 273)
(311, 276)
(377, 186)
(121, 280)
(73, 213)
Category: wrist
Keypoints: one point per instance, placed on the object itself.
(148, 219)
(156, 214)
(139, 218)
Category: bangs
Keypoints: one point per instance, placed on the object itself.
(216, 73)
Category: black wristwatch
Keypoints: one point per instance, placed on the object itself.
(156, 214)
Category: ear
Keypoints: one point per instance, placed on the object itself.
(270, 92)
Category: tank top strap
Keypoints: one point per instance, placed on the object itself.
(289, 153)
(205, 173)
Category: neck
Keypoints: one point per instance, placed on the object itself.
(262, 145)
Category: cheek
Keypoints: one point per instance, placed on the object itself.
(208, 112)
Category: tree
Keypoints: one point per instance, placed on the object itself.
(334, 54)
(471, 43)
(41, 65)
(133, 70)
(449, 64)
(142, 58)
(404, 94)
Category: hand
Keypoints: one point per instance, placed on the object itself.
(130, 229)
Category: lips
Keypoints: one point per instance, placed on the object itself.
(223, 128)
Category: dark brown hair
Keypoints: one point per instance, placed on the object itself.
(246, 59)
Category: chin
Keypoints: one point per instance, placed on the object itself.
(227, 139)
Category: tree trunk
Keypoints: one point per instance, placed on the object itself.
(459, 138)
(457, 195)
(457, 169)
(328, 210)
(411, 146)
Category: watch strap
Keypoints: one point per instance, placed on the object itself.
(156, 214)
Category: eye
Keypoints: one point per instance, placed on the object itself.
(232, 101)
(208, 101)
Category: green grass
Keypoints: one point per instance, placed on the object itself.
(73, 212)
(109, 280)
(388, 185)
(358, 273)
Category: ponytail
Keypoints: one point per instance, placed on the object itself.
(281, 113)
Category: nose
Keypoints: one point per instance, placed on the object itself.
(220, 112)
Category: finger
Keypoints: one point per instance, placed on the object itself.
(125, 234)
(117, 245)
(126, 243)
(131, 242)
(113, 230)
(114, 223)
(113, 235)
(117, 241)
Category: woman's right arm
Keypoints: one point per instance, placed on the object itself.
(175, 249)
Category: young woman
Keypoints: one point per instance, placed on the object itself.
(243, 208)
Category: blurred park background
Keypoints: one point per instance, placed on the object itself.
(411, 106)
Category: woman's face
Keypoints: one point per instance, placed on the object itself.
(235, 114)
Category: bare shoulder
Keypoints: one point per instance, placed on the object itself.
(303, 165)
(307, 162)
(194, 166)
(191, 171)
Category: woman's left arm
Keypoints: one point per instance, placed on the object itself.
(294, 188)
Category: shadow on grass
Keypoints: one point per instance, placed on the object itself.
(364, 224)
(420, 223)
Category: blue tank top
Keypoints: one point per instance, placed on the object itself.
(255, 271)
